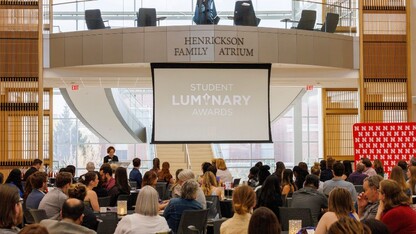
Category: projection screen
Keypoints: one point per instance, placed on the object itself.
(210, 103)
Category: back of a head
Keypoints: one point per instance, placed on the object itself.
(189, 189)
(398, 175)
(264, 221)
(312, 180)
(244, 199)
(376, 226)
(15, 176)
(254, 171)
(316, 169)
(37, 162)
(205, 166)
(87, 178)
(340, 202)
(263, 173)
(338, 169)
(322, 164)
(221, 164)
(72, 209)
(148, 178)
(90, 166)
(366, 162)
(360, 167)
(393, 194)
(37, 179)
(77, 191)
(147, 202)
(330, 163)
(136, 162)
(402, 164)
(62, 179)
(413, 161)
(303, 166)
(186, 174)
(9, 197)
(71, 168)
(347, 225)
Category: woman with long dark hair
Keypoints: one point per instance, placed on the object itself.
(164, 174)
(288, 186)
(15, 179)
(122, 185)
(270, 195)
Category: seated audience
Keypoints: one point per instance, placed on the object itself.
(164, 174)
(412, 161)
(186, 175)
(357, 177)
(122, 186)
(91, 181)
(326, 169)
(338, 182)
(346, 225)
(348, 168)
(15, 179)
(288, 186)
(253, 177)
(135, 174)
(378, 167)
(38, 186)
(368, 201)
(53, 200)
(244, 200)
(99, 189)
(146, 218)
(71, 169)
(34, 229)
(376, 226)
(411, 183)
(90, 166)
(156, 165)
(403, 165)
(397, 175)
(270, 195)
(223, 172)
(37, 163)
(210, 187)
(176, 187)
(72, 214)
(368, 167)
(310, 197)
(264, 221)
(10, 209)
(79, 191)
(106, 174)
(394, 209)
(149, 178)
(280, 167)
(340, 205)
(263, 174)
(316, 170)
(204, 168)
(177, 206)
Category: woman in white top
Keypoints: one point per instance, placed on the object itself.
(223, 172)
(91, 181)
(210, 187)
(146, 218)
(340, 205)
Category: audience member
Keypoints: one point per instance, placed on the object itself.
(258, 164)
(122, 186)
(394, 209)
(72, 215)
(357, 177)
(177, 206)
(340, 205)
(288, 186)
(348, 168)
(53, 200)
(38, 186)
(270, 195)
(106, 174)
(146, 218)
(403, 165)
(36, 164)
(337, 181)
(90, 180)
(223, 172)
(79, 191)
(34, 229)
(310, 197)
(186, 175)
(149, 178)
(412, 179)
(10, 209)
(111, 157)
(368, 167)
(326, 173)
(264, 221)
(396, 174)
(303, 166)
(368, 200)
(99, 189)
(15, 179)
(210, 187)
(135, 174)
(348, 225)
(71, 169)
(156, 165)
(280, 167)
(263, 174)
(378, 167)
(300, 175)
(176, 187)
(244, 200)
(164, 174)
(204, 168)
(90, 166)
(253, 177)
(1, 178)
(376, 226)
(412, 161)
(316, 170)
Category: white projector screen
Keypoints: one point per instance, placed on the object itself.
(210, 103)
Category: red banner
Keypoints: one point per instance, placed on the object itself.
(388, 142)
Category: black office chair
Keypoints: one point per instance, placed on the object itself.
(161, 188)
(244, 14)
(94, 20)
(104, 201)
(307, 20)
(359, 189)
(38, 215)
(107, 222)
(205, 12)
(287, 214)
(214, 210)
(331, 22)
(193, 221)
(146, 17)
(226, 208)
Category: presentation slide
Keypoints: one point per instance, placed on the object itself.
(210, 103)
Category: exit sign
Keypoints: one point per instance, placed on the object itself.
(75, 87)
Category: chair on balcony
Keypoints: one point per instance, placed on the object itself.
(331, 23)
(244, 14)
(146, 17)
(307, 20)
(205, 12)
(94, 20)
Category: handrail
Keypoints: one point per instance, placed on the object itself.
(187, 158)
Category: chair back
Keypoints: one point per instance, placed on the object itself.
(131, 201)
(123, 197)
(161, 188)
(236, 182)
(27, 215)
(133, 184)
(146, 17)
(226, 207)
(217, 225)
(307, 20)
(104, 201)
(359, 189)
(244, 14)
(287, 214)
(38, 215)
(331, 23)
(214, 207)
(193, 221)
(93, 19)
(107, 222)
(205, 12)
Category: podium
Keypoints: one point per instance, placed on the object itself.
(124, 164)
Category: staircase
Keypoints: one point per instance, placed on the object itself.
(175, 155)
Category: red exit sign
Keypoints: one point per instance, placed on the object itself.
(75, 87)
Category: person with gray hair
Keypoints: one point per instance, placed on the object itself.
(357, 177)
(146, 218)
(186, 175)
(177, 206)
(90, 166)
(368, 200)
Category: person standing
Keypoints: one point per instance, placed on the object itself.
(135, 174)
(37, 163)
(111, 157)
